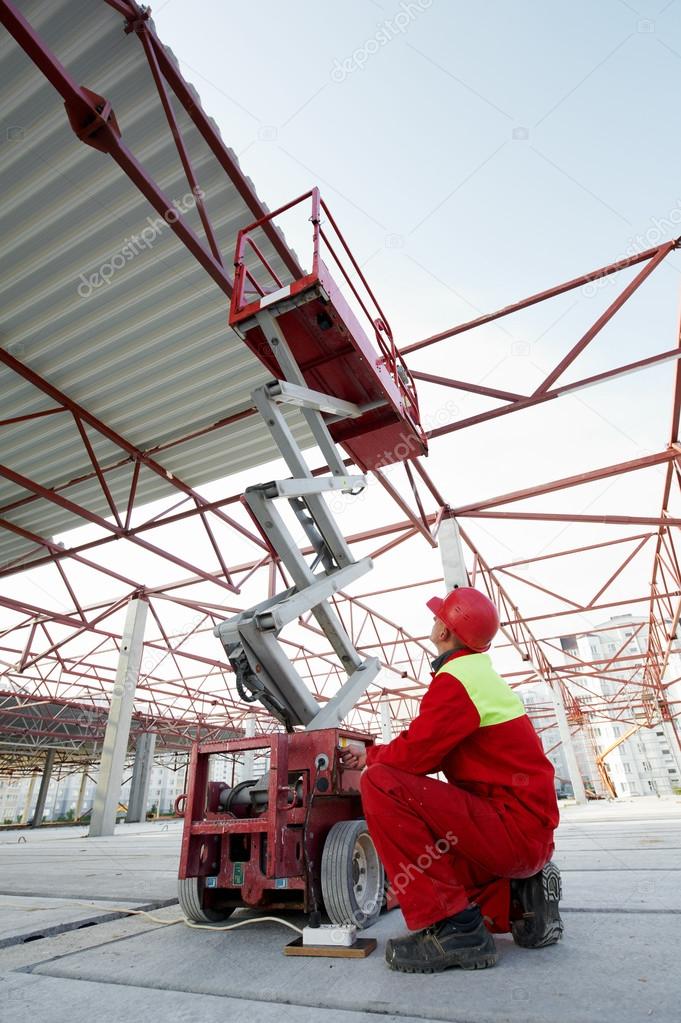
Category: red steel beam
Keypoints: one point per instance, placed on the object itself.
(95, 124)
(416, 521)
(662, 633)
(525, 402)
(137, 19)
(596, 607)
(572, 550)
(618, 571)
(463, 385)
(117, 531)
(179, 143)
(76, 552)
(605, 317)
(118, 440)
(645, 462)
(606, 519)
(541, 296)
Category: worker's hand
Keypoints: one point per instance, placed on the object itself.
(353, 758)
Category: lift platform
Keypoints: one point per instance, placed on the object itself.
(294, 836)
(338, 335)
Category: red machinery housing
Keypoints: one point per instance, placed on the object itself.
(296, 842)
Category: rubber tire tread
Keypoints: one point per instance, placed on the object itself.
(336, 875)
(190, 896)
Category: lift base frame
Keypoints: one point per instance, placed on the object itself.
(259, 861)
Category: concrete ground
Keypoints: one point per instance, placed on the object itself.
(65, 951)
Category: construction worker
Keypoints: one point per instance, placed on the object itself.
(469, 856)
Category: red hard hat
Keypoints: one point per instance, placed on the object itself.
(469, 614)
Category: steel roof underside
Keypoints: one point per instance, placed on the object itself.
(150, 353)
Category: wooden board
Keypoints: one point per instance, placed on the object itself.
(360, 950)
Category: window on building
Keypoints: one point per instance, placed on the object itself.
(627, 768)
(672, 770)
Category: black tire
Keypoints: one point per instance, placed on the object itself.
(190, 894)
(352, 875)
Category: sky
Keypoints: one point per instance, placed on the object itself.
(474, 154)
(485, 152)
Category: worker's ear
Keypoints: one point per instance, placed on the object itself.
(443, 632)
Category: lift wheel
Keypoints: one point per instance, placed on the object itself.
(352, 875)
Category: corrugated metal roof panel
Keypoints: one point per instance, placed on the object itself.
(149, 352)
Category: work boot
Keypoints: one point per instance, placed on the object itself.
(537, 898)
(460, 940)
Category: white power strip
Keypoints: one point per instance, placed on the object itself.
(330, 934)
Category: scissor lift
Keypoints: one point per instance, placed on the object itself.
(294, 837)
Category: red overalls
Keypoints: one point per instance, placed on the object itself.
(445, 844)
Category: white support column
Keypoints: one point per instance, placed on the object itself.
(141, 776)
(568, 745)
(386, 719)
(451, 554)
(29, 799)
(249, 757)
(115, 744)
(81, 795)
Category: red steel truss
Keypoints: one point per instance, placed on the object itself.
(62, 653)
